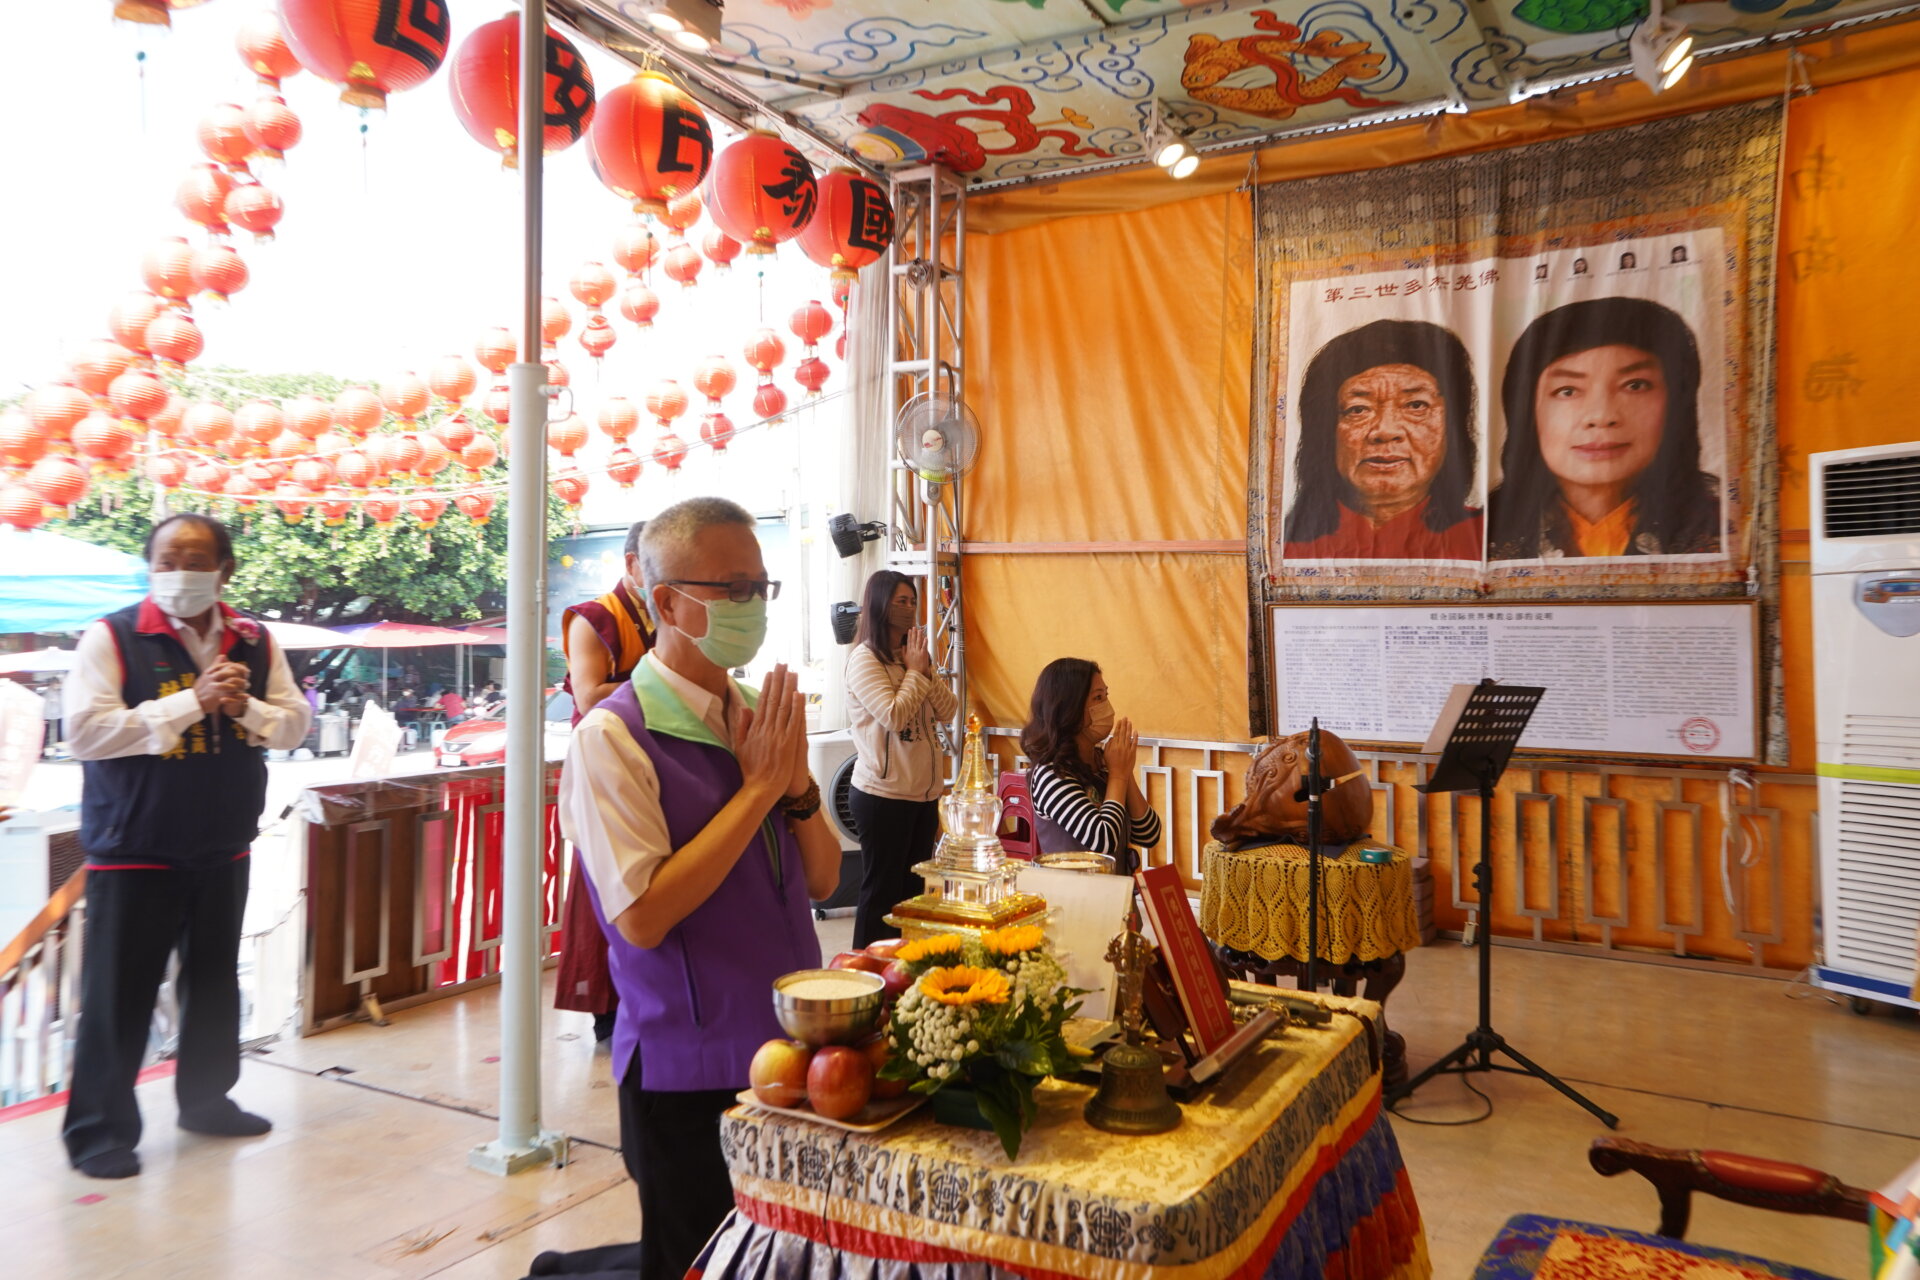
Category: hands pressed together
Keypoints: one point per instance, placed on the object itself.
(1122, 748)
(223, 687)
(771, 741)
(917, 655)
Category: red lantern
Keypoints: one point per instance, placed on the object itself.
(434, 455)
(495, 350)
(714, 378)
(334, 510)
(765, 351)
(166, 470)
(721, 249)
(570, 486)
(761, 191)
(592, 285)
(769, 402)
(842, 291)
(206, 475)
(477, 507)
(599, 336)
(241, 489)
(455, 432)
(840, 346)
(252, 207)
(135, 394)
(557, 374)
(427, 508)
(369, 47)
(452, 378)
(58, 479)
(55, 409)
(168, 269)
(486, 89)
(308, 417)
(166, 423)
(208, 424)
(263, 47)
(382, 455)
(129, 319)
(555, 320)
(21, 507)
(261, 420)
(717, 430)
(811, 322)
(223, 136)
(498, 406)
(623, 466)
(287, 446)
(382, 511)
(407, 453)
(666, 402)
(405, 396)
(683, 264)
(683, 211)
(357, 409)
(854, 224)
(567, 434)
(21, 444)
(202, 197)
(102, 437)
(174, 338)
(650, 142)
(480, 454)
(635, 248)
(219, 272)
(330, 444)
(618, 418)
(271, 128)
(669, 450)
(640, 304)
(355, 469)
(292, 501)
(313, 474)
(812, 373)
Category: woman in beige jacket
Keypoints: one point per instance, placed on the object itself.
(894, 702)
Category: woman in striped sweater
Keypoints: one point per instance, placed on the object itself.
(1081, 768)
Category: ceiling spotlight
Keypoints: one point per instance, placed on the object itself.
(1169, 145)
(691, 40)
(1170, 152)
(693, 25)
(1662, 50)
(1185, 165)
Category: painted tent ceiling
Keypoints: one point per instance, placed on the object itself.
(1010, 90)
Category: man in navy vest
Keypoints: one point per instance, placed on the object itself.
(174, 703)
(700, 830)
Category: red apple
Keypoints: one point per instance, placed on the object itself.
(897, 977)
(879, 1052)
(779, 1072)
(856, 960)
(839, 1081)
(886, 949)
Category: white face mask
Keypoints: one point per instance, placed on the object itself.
(185, 593)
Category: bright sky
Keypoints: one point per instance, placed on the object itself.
(390, 255)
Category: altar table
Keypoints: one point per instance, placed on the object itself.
(1285, 1168)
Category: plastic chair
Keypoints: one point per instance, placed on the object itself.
(1019, 832)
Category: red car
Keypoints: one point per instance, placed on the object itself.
(482, 742)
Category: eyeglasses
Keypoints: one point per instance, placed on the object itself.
(738, 592)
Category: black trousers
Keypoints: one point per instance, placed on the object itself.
(135, 919)
(894, 834)
(671, 1145)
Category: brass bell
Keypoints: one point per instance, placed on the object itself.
(1132, 1097)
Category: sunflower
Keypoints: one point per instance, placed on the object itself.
(945, 944)
(1013, 941)
(966, 985)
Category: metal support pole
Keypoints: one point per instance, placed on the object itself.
(522, 1144)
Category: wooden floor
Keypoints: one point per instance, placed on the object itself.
(365, 1173)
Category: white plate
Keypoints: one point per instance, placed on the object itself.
(872, 1118)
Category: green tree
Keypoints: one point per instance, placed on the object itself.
(310, 571)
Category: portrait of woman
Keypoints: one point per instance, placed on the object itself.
(1602, 454)
(1384, 468)
(1629, 261)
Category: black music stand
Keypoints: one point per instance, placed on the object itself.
(1476, 754)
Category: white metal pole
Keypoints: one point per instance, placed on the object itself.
(522, 1144)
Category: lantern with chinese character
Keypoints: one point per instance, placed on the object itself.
(174, 338)
(251, 207)
(639, 304)
(650, 142)
(761, 191)
(370, 48)
(405, 396)
(854, 224)
(263, 47)
(717, 430)
(721, 249)
(623, 466)
(486, 89)
(272, 128)
(219, 272)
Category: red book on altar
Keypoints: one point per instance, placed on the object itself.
(1188, 958)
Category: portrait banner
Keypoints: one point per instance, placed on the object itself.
(1532, 374)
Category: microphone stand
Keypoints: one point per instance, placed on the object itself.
(1315, 785)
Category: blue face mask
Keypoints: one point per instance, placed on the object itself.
(735, 630)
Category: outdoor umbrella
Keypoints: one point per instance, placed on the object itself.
(297, 635)
(401, 635)
(54, 583)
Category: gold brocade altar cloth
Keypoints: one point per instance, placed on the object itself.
(1255, 900)
(1286, 1167)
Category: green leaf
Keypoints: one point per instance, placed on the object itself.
(1000, 1103)
(1029, 1057)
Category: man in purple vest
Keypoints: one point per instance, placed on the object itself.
(688, 798)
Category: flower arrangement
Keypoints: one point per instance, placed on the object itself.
(984, 1013)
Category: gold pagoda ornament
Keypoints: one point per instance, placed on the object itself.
(970, 880)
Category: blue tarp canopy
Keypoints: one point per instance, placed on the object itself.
(54, 583)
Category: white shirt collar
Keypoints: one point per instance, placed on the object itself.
(711, 710)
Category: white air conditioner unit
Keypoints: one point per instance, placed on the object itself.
(1865, 554)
